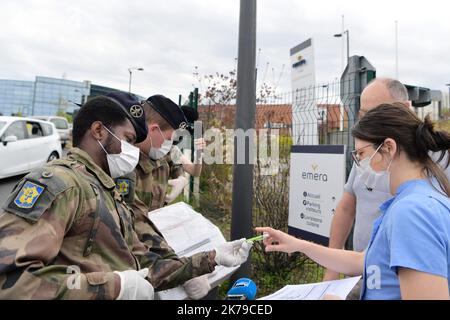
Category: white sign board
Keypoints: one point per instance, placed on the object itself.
(188, 232)
(303, 74)
(317, 179)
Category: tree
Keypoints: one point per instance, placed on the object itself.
(64, 114)
(221, 92)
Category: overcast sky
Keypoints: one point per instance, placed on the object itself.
(99, 40)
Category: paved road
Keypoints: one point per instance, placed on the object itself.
(6, 185)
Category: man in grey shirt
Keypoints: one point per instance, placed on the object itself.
(361, 200)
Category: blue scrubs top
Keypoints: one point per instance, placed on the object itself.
(413, 232)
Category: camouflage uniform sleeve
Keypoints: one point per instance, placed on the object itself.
(149, 234)
(176, 170)
(166, 273)
(167, 270)
(28, 248)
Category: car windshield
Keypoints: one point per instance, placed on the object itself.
(2, 124)
(60, 123)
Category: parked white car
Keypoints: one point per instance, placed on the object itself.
(26, 144)
(61, 124)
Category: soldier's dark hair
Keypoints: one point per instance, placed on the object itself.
(97, 109)
(414, 137)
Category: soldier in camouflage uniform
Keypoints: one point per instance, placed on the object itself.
(160, 171)
(68, 217)
(180, 163)
(163, 116)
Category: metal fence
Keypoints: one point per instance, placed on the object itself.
(320, 114)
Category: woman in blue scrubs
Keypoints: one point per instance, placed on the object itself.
(408, 256)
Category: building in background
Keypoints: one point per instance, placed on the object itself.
(97, 90)
(47, 96)
(268, 116)
(438, 108)
(58, 95)
(16, 97)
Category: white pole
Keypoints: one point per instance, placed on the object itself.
(343, 64)
(341, 106)
(396, 50)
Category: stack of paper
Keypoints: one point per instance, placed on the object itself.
(315, 291)
(188, 232)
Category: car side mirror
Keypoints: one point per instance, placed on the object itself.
(9, 139)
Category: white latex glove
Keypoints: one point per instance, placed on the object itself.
(233, 254)
(134, 286)
(177, 185)
(197, 288)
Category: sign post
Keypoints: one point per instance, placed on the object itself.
(303, 79)
(316, 184)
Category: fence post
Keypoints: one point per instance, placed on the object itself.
(194, 182)
(358, 73)
(242, 201)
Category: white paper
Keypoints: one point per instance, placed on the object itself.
(315, 291)
(188, 233)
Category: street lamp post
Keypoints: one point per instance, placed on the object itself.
(131, 72)
(338, 35)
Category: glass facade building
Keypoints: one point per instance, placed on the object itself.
(97, 90)
(16, 97)
(46, 96)
(52, 95)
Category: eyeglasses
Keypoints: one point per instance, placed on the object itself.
(355, 153)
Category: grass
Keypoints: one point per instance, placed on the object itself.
(443, 125)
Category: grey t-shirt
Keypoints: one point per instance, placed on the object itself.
(369, 201)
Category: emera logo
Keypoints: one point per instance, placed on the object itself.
(315, 176)
(299, 63)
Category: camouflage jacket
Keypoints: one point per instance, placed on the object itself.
(152, 178)
(136, 188)
(158, 179)
(65, 229)
(174, 162)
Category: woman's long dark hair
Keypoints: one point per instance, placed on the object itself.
(413, 136)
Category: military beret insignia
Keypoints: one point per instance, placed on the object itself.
(136, 111)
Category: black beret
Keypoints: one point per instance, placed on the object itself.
(190, 113)
(169, 110)
(134, 112)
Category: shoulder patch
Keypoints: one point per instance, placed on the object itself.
(36, 192)
(28, 195)
(123, 186)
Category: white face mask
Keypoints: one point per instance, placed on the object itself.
(122, 163)
(157, 154)
(379, 180)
